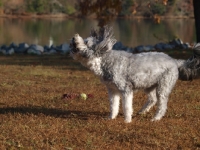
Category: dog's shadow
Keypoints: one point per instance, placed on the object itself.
(54, 112)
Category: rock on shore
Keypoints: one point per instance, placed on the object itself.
(34, 49)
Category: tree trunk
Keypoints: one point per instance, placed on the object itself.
(196, 4)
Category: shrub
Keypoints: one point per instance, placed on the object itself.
(127, 7)
(158, 8)
(70, 10)
(55, 8)
(37, 6)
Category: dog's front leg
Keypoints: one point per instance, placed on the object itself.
(114, 98)
(127, 102)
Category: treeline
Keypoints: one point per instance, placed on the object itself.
(49, 6)
(39, 7)
(99, 8)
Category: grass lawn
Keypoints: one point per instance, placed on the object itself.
(34, 116)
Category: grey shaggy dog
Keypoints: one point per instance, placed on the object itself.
(123, 73)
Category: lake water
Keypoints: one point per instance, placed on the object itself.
(131, 32)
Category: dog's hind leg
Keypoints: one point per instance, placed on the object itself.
(127, 101)
(152, 99)
(164, 88)
(114, 97)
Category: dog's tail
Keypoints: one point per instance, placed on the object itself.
(190, 69)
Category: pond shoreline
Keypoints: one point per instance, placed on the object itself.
(50, 16)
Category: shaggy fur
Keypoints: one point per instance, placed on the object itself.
(122, 72)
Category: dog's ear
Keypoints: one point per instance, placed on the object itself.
(105, 39)
(105, 45)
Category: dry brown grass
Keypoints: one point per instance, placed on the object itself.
(34, 116)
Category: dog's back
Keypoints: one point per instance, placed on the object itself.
(141, 70)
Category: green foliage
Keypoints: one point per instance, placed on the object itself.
(126, 7)
(55, 8)
(158, 8)
(1, 3)
(37, 6)
(100, 8)
(70, 10)
(49, 6)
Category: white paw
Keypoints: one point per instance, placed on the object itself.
(141, 112)
(128, 120)
(111, 117)
(155, 119)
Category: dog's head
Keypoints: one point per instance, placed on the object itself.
(94, 46)
(79, 48)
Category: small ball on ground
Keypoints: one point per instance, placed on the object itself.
(83, 96)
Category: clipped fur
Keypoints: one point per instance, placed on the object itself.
(123, 73)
